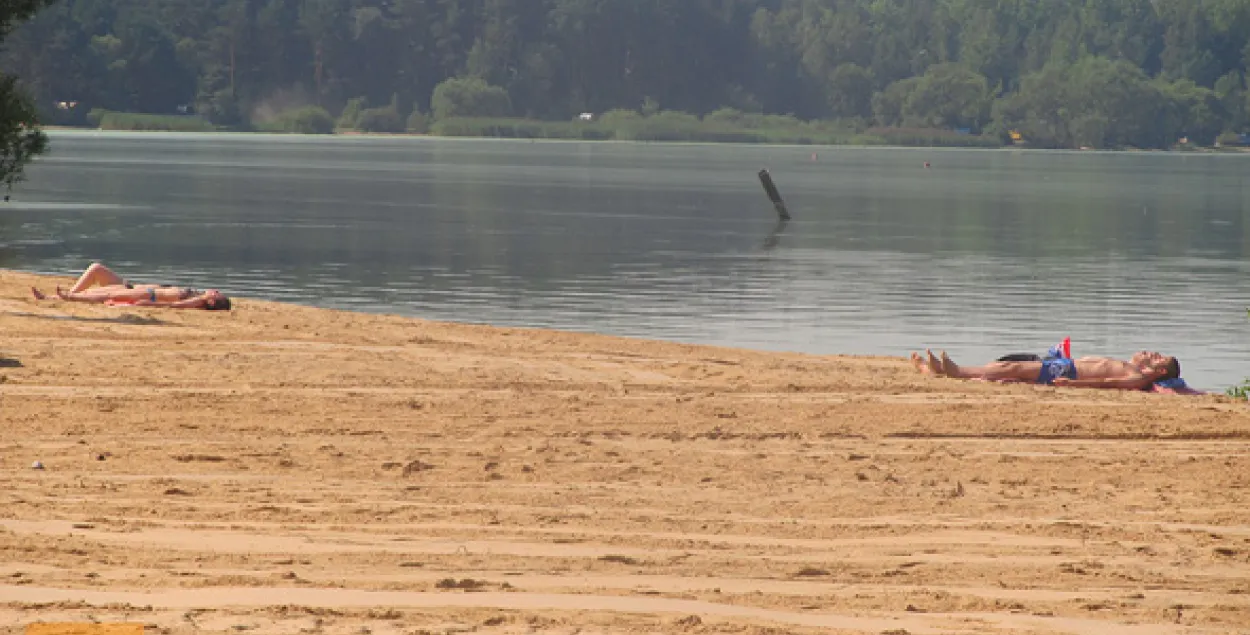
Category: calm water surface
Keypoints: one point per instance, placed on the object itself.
(986, 252)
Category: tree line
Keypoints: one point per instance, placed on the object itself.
(1059, 73)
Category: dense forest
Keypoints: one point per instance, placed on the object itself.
(1063, 73)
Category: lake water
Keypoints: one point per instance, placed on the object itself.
(983, 253)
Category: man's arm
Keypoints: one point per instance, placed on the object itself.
(1124, 383)
(1130, 380)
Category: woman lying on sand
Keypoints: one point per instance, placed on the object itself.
(1139, 373)
(99, 285)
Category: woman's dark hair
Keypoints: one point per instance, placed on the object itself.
(1174, 369)
(217, 304)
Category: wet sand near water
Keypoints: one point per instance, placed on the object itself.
(283, 469)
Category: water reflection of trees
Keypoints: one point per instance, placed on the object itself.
(545, 214)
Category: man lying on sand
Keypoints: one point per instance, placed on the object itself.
(99, 285)
(1139, 373)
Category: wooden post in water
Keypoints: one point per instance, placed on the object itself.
(770, 189)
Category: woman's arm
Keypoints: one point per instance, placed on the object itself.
(189, 303)
(197, 302)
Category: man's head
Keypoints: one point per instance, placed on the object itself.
(215, 300)
(1147, 360)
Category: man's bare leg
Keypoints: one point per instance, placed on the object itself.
(920, 365)
(947, 362)
(927, 364)
(997, 371)
(96, 274)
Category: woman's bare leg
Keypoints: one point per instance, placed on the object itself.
(96, 275)
(95, 295)
(72, 296)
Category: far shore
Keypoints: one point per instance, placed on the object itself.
(355, 134)
(281, 468)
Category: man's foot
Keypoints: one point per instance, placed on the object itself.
(38, 294)
(61, 294)
(949, 367)
(935, 364)
(920, 364)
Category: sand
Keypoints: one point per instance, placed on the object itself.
(283, 469)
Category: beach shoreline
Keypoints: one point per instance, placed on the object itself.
(283, 468)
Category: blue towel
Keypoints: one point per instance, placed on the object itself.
(1175, 387)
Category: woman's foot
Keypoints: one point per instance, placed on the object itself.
(38, 294)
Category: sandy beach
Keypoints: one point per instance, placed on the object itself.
(284, 469)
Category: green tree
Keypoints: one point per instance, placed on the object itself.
(949, 96)
(60, 71)
(850, 91)
(243, 61)
(325, 24)
(1230, 90)
(1121, 94)
(469, 97)
(496, 52)
(1191, 111)
(20, 137)
(908, 37)
(888, 105)
(1039, 110)
(1098, 103)
(144, 64)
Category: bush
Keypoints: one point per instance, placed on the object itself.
(933, 137)
(110, 120)
(469, 97)
(621, 122)
(351, 113)
(221, 108)
(306, 120)
(418, 122)
(380, 120)
(508, 128)
(1226, 139)
(725, 126)
(668, 125)
(1240, 391)
(867, 140)
(628, 125)
(726, 116)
